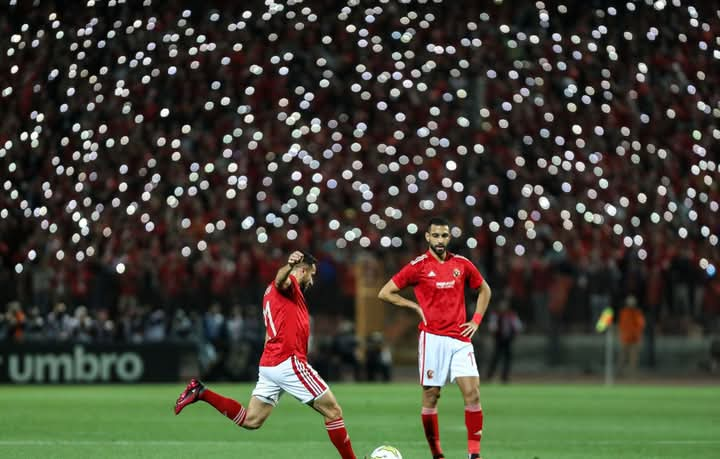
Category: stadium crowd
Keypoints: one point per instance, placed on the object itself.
(125, 280)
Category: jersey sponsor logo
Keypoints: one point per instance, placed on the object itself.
(456, 272)
(431, 274)
(430, 374)
(419, 259)
(448, 284)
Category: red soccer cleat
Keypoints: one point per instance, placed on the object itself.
(191, 394)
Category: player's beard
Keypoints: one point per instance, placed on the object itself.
(305, 286)
(439, 250)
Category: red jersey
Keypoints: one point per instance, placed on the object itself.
(287, 324)
(440, 290)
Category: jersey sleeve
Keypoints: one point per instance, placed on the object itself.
(474, 278)
(408, 275)
(291, 291)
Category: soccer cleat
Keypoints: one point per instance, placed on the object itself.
(191, 394)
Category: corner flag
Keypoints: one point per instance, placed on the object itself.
(605, 320)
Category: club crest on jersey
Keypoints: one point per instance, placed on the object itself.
(430, 374)
(456, 272)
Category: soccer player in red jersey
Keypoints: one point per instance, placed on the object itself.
(283, 365)
(445, 351)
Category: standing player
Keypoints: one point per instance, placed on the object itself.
(445, 351)
(283, 365)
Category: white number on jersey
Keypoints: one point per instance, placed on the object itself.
(269, 324)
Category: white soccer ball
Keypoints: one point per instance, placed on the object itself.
(385, 452)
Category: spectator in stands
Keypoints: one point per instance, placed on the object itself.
(504, 324)
(58, 323)
(216, 342)
(82, 326)
(378, 358)
(214, 325)
(602, 277)
(15, 318)
(683, 274)
(181, 327)
(715, 354)
(132, 324)
(631, 323)
(344, 350)
(156, 327)
(541, 281)
(35, 327)
(235, 324)
(41, 279)
(105, 330)
(551, 76)
(4, 328)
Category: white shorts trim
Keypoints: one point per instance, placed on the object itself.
(441, 358)
(293, 376)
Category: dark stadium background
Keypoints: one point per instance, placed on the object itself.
(149, 196)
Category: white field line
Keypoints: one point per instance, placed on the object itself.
(8, 443)
(134, 442)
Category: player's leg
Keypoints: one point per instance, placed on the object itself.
(433, 365)
(196, 390)
(257, 412)
(264, 397)
(328, 406)
(463, 370)
(302, 382)
(429, 415)
(250, 418)
(470, 389)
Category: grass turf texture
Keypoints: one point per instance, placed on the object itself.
(521, 421)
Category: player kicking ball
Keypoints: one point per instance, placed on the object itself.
(445, 351)
(283, 365)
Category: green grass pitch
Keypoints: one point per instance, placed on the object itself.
(521, 421)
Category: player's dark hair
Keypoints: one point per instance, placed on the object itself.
(308, 259)
(438, 221)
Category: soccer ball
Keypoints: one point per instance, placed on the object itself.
(385, 452)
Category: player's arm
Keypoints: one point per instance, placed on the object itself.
(483, 299)
(389, 293)
(282, 278)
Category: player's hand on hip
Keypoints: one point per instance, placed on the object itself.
(468, 329)
(295, 258)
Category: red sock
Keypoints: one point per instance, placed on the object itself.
(432, 431)
(340, 438)
(474, 424)
(227, 406)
